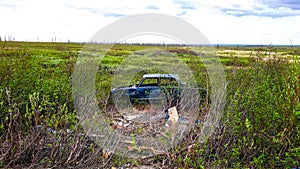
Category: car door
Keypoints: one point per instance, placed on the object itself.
(147, 88)
(171, 89)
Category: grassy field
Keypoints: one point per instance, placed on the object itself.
(259, 128)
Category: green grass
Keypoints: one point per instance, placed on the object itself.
(260, 127)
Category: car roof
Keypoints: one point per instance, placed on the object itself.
(161, 76)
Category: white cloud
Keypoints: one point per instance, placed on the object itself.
(230, 21)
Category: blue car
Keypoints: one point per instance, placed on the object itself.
(153, 88)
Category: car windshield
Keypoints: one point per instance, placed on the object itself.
(150, 82)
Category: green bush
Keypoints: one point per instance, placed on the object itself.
(260, 127)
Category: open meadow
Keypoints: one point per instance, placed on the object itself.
(39, 127)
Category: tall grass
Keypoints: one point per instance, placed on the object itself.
(39, 128)
(260, 126)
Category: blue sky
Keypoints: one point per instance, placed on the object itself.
(221, 21)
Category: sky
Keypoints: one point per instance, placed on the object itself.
(263, 22)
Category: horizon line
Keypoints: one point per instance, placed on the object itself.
(159, 44)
